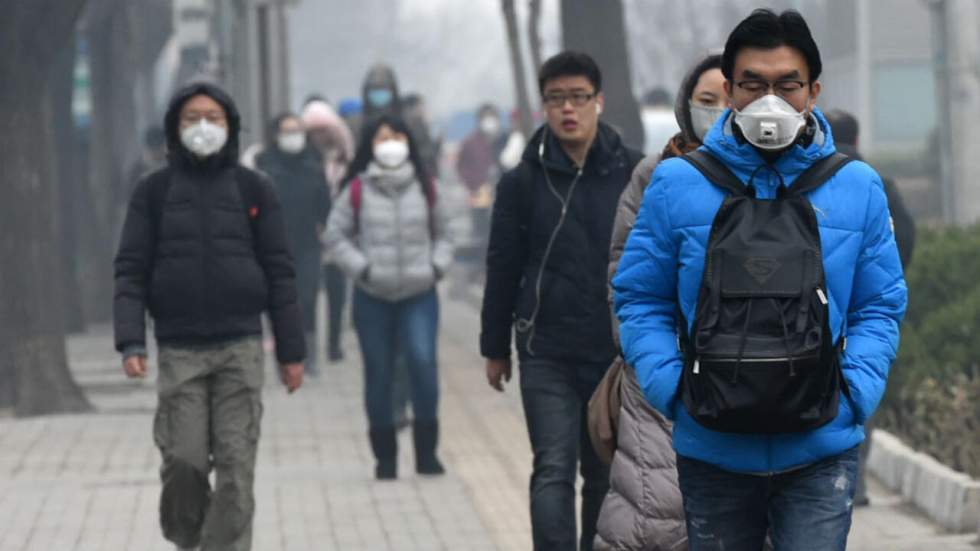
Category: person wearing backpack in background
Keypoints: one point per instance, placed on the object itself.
(759, 295)
(390, 233)
(204, 251)
(844, 127)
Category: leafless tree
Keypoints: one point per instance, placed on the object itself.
(34, 375)
(517, 64)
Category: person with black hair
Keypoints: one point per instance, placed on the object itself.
(844, 128)
(204, 251)
(296, 171)
(390, 233)
(759, 297)
(546, 261)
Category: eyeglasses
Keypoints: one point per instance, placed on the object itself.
(578, 99)
(784, 88)
(194, 117)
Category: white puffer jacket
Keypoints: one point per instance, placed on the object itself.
(395, 248)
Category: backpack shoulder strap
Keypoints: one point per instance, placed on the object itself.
(356, 197)
(818, 173)
(430, 201)
(715, 171)
(155, 199)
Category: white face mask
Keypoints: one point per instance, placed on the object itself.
(204, 138)
(770, 122)
(703, 118)
(490, 125)
(391, 153)
(291, 142)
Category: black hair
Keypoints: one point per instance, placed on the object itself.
(765, 30)
(365, 148)
(487, 109)
(843, 126)
(411, 101)
(570, 63)
(315, 96)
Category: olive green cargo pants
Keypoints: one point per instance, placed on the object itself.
(208, 415)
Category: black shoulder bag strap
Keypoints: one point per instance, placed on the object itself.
(818, 173)
(715, 171)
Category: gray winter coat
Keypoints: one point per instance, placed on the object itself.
(643, 509)
(394, 247)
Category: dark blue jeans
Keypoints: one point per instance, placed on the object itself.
(387, 331)
(556, 397)
(808, 509)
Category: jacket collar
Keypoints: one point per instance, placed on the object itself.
(744, 160)
(604, 156)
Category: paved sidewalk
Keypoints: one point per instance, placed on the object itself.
(90, 482)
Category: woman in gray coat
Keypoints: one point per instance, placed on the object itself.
(643, 509)
(390, 234)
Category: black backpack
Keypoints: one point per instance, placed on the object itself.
(760, 358)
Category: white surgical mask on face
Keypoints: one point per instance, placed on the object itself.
(490, 125)
(770, 122)
(291, 142)
(703, 117)
(204, 138)
(391, 153)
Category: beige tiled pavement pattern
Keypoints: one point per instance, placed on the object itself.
(89, 482)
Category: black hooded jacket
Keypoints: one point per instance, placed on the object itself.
(572, 322)
(204, 250)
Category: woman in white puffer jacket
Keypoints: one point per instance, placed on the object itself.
(390, 233)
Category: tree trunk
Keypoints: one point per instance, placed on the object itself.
(517, 64)
(534, 32)
(597, 29)
(62, 84)
(34, 373)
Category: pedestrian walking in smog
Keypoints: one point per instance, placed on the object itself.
(759, 295)
(391, 234)
(204, 251)
(547, 262)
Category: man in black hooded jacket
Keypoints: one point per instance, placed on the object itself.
(203, 250)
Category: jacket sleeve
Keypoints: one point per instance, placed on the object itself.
(339, 238)
(133, 267)
(322, 199)
(273, 255)
(506, 257)
(444, 244)
(629, 205)
(645, 300)
(878, 302)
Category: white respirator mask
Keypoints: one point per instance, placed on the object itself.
(770, 122)
(204, 138)
(391, 153)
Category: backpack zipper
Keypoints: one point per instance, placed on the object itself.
(697, 361)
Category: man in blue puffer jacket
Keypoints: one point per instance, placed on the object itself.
(798, 486)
